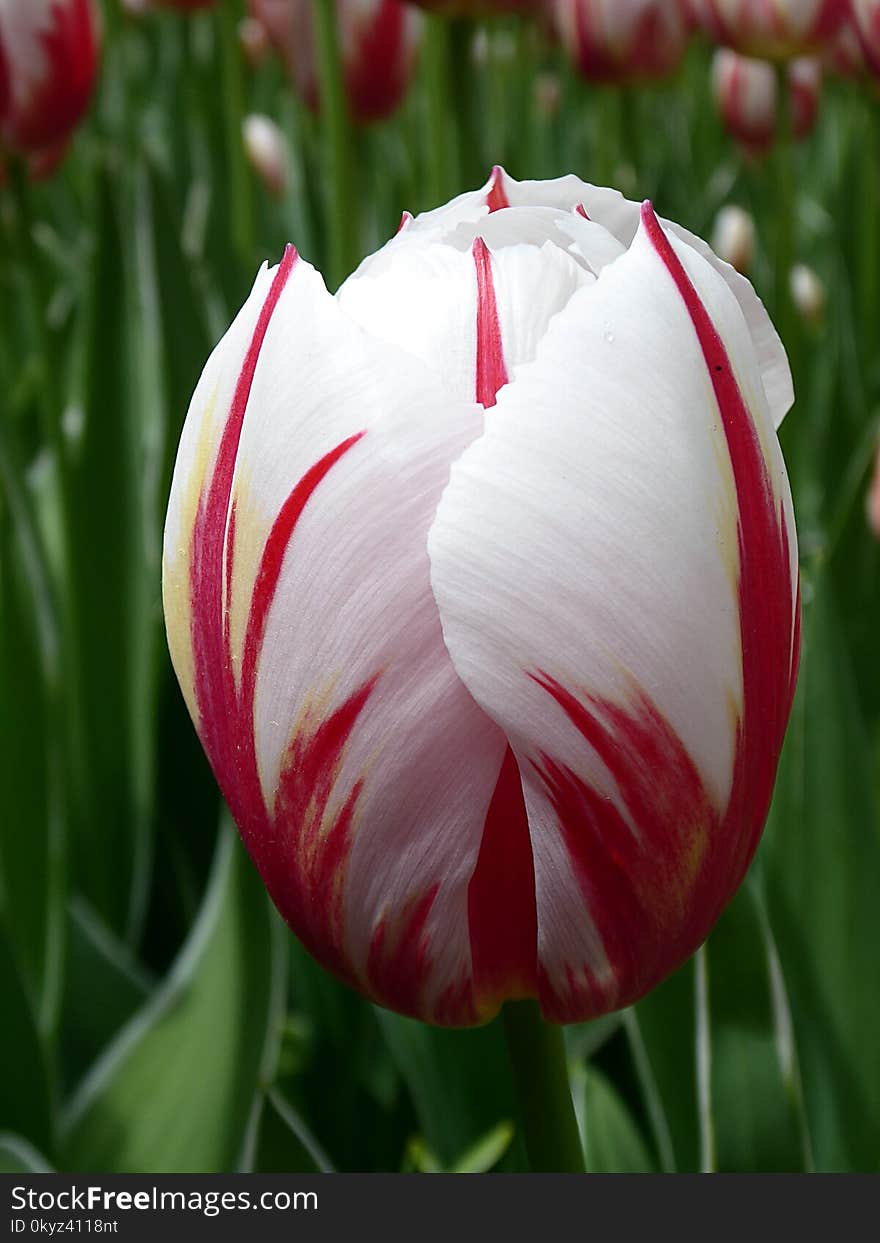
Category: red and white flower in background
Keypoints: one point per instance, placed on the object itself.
(48, 65)
(872, 503)
(480, 582)
(746, 95)
(378, 42)
(622, 40)
(866, 19)
(771, 29)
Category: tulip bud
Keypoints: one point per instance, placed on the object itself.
(745, 92)
(771, 29)
(873, 499)
(622, 40)
(808, 294)
(378, 43)
(844, 55)
(264, 145)
(866, 20)
(48, 64)
(733, 237)
(253, 38)
(495, 701)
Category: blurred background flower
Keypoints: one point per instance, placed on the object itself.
(746, 95)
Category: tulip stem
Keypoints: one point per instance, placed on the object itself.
(442, 137)
(240, 186)
(785, 212)
(342, 212)
(540, 1072)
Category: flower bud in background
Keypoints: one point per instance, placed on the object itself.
(622, 40)
(480, 582)
(378, 43)
(808, 294)
(873, 499)
(48, 66)
(771, 29)
(733, 237)
(266, 151)
(253, 38)
(745, 92)
(866, 19)
(844, 55)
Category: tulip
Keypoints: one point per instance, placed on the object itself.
(264, 147)
(480, 582)
(771, 29)
(733, 237)
(618, 41)
(845, 55)
(378, 39)
(48, 64)
(745, 93)
(866, 18)
(808, 294)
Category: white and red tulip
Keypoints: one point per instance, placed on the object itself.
(771, 29)
(48, 65)
(866, 19)
(746, 95)
(378, 43)
(480, 582)
(618, 41)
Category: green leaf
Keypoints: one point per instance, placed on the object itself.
(821, 868)
(104, 986)
(662, 1030)
(753, 1085)
(176, 1089)
(17, 1156)
(25, 1101)
(613, 1142)
(460, 1083)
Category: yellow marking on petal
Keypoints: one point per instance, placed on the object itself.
(177, 559)
(252, 530)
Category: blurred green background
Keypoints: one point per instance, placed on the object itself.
(157, 1016)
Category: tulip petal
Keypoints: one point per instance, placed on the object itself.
(533, 283)
(614, 564)
(468, 215)
(367, 784)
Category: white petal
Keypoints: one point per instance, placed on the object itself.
(589, 540)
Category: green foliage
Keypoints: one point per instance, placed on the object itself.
(156, 1015)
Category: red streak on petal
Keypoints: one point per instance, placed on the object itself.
(642, 885)
(657, 868)
(582, 211)
(405, 219)
(303, 858)
(214, 684)
(502, 908)
(491, 371)
(397, 966)
(496, 197)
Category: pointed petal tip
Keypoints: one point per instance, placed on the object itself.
(406, 218)
(496, 196)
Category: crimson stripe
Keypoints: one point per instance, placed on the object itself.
(502, 906)
(496, 197)
(491, 373)
(214, 684)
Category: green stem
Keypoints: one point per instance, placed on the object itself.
(870, 206)
(342, 213)
(240, 180)
(442, 137)
(785, 214)
(540, 1072)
